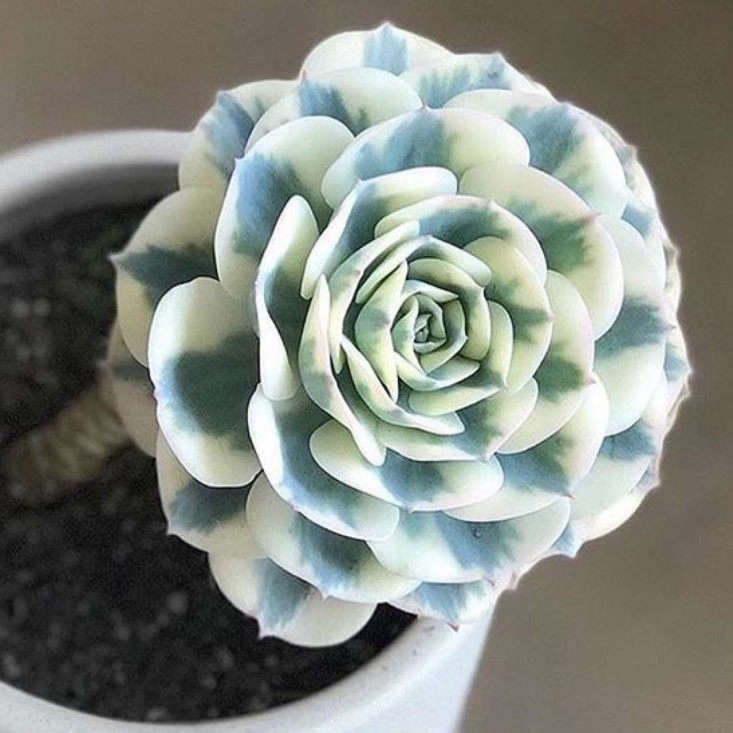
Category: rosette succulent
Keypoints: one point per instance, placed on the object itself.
(410, 326)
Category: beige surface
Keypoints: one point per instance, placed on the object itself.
(637, 634)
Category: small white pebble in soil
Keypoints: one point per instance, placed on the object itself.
(155, 715)
(41, 307)
(177, 603)
(208, 682)
(11, 667)
(162, 620)
(225, 658)
(20, 308)
(120, 628)
(257, 705)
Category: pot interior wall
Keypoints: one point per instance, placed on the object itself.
(96, 188)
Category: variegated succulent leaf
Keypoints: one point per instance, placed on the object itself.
(410, 323)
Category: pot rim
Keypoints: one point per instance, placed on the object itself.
(42, 169)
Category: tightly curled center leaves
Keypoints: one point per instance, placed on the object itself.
(411, 327)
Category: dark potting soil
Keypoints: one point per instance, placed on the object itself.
(99, 609)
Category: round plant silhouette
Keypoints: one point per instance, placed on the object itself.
(410, 324)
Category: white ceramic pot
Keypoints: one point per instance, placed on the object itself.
(419, 684)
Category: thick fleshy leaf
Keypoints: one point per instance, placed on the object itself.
(455, 139)
(221, 135)
(677, 371)
(289, 161)
(319, 381)
(281, 433)
(646, 221)
(636, 177)
(433, 278)
(212, 520)
(384, 408)
(597, 525)
(360, 98)
(447, 276)
(403, 336)
(172, 245)
(500, 102)
(574, 241)
(417, 445)
(442, 80)
(623, 460)
(463, 219)
(517, 287)
(454, 603)
(635, 344)
(412, 485)
(203, 363)
(279, 306)
(487, 380)
(512, 500)
(422, 247)
(437, 548)
(338, 566)
(353, 224)
(286, 606)
(443, 360)
(565, 372)
(386, 47)
(536, 477)
(133, 393)
(563, 141)
(345, 280)
(372, 328)
(568, 544)
(491, 422)
(488, 424)
(673, 279)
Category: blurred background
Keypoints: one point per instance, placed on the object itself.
(637, 633)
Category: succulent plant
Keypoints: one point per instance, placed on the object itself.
(411, 327)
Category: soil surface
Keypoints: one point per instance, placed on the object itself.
(99, 609)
